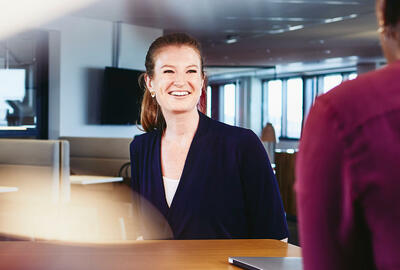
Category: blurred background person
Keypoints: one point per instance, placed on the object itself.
(268, 138)
(348, 173)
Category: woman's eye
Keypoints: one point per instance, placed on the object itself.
(168, 71)
(192, 71)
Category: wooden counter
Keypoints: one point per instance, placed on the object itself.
(160, 254)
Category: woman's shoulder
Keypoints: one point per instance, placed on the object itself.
(144, 139)
(232, 134)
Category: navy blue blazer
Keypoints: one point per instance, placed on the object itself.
(227, 188)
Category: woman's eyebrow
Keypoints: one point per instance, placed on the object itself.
(192, 66)
(167, 66)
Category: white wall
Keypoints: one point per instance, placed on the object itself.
(80, 49)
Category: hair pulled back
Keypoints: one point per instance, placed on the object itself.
(151, 116)
(391, 13)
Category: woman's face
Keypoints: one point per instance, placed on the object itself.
(177, 79)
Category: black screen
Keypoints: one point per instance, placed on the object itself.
(121, 97)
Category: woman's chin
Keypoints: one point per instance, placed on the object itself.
(182, 110)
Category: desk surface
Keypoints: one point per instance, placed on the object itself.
(161, 254)
(93, 179)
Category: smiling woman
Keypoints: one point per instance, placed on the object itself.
(209, 179)
(168, 58)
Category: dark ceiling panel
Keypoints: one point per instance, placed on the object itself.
(265, 29)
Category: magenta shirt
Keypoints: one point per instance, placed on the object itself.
(348, 175)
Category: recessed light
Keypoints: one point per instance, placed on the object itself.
(277, 31)
(231, 39)
(296, 27)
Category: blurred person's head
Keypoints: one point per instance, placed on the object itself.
(174, 79)
(388, 16)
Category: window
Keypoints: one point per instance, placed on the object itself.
(24, 85)
(352, 76)
(274, 105)
(209, 101)
(229, 103)
(283, 106)
(12, 94)
(287, 101)
(331, 81)
(294, 106)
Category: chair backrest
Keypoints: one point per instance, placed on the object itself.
(38, 168)
(98, 156)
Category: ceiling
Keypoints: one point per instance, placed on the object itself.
(268, 32)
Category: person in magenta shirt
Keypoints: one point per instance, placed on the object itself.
(348, 166)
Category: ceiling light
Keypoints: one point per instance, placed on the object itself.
(276, 31)
(296, 27)
(231, 39)
(278, 19)
(337, 19)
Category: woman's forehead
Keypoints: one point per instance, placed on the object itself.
(172, 54)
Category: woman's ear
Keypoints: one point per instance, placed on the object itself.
(149, 82)
(203, 80)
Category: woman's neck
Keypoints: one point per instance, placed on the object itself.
(180, 126)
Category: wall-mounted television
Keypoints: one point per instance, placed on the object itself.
(121, 97)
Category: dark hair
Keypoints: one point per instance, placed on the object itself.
(151, 116)
(391, 13)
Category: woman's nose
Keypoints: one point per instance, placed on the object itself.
(179, 80)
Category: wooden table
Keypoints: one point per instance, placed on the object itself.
(160, 254)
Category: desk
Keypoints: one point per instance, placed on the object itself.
(93, 179)
(160, 254)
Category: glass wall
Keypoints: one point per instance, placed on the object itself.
(274, 105)
(229, 103)
(331, 81)
(209, 92)
(23, 85)
(294, 107)
(287, 101)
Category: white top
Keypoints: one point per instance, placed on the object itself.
(170, 186)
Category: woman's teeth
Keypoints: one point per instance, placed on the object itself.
(179, 93)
